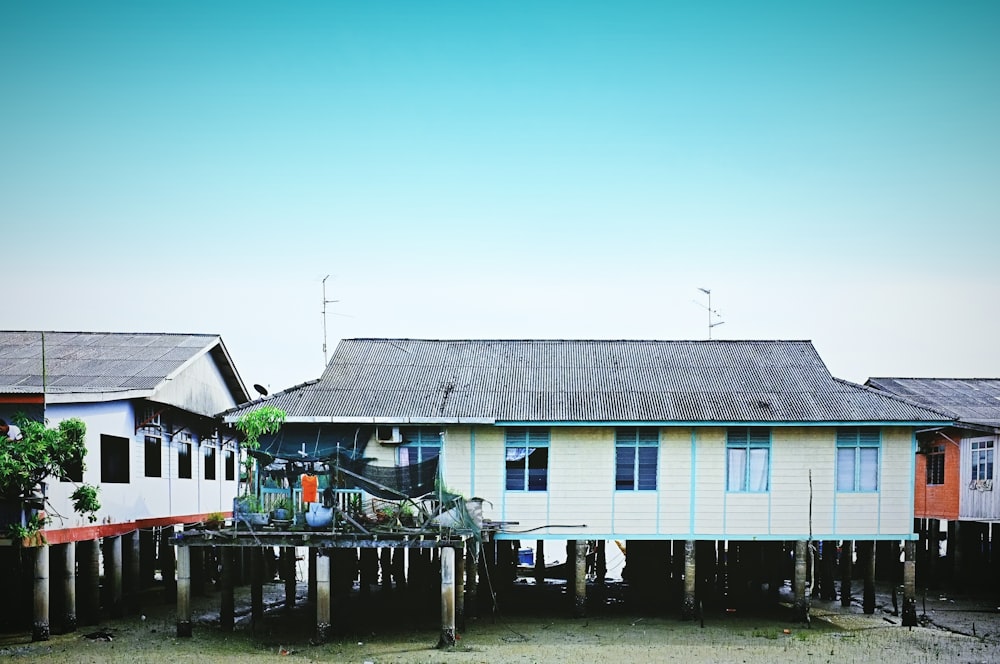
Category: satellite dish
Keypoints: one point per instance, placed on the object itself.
(260, 389)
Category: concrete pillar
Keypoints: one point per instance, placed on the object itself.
(113, 576)
(40, 616)
(909, 584)
(447, 639)
(799, 582)
(930, 573)
(65, 591)
(322, 569)
(689, 608)
(399, 568)
(168, 565)
(131, 570)
(227, 610)
(460, 588)
(957, 541)
(867, 559)
(184, 591)
(846, 570)
(147, 557)
(89, 583)
(256, 587)
(580, 579)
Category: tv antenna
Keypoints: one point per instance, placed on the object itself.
(325, 302)
(712, 313)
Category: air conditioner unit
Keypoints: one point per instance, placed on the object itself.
(389, 435)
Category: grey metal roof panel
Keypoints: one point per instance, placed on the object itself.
(971, 400)
(588, 381)
(94, 362)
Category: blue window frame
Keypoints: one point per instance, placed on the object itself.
(527, 458)
(636, 453)
(982, 459)
(748, 459)
(419, 444)
(858, 459)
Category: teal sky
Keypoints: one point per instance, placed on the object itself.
(831, 171)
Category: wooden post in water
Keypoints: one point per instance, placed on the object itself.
(322, 567)
(184, 591)
(799, 583)
(868, 566)
(580, 579)
(40, 617)
(227, 611)
(447, 639)
(689, 608)
(909, 584)
(846, 569)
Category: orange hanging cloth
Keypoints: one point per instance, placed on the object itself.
(310, 489)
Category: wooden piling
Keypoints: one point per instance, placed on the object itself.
(867, 560)
(828, 566)
(472, 579)
(846, 570)
(227, 610)
(288, 574)
(801, 607)
(311, 554)
(256, 587)
(689, 608)
(447, 639)
(184, 591)
(40, 616)
(909, 584)
(539, 562)
(323, 609)
(460, 588)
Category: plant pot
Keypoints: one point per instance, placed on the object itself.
(282, 514)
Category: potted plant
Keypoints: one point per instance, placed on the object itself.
(214, 521)
(249, 510)
(282, 508)
(253, 425)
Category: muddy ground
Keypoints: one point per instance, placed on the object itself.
(953, 630)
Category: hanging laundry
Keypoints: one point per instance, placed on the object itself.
(310, 484)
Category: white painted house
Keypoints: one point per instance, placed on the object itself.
(638, 440)
(149, 401)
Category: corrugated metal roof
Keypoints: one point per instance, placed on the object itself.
(971, 400)
(94, 362)
(586, 381)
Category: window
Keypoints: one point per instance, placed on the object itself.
(527, 458)
(748, 453)
(184, 460)
(230, 459)
(636, 452)
(114, 459)
(982, 459)
(209, 453)
(935, 465)
(153, 456)
(419, 444)
(857, 459)
(73, 470)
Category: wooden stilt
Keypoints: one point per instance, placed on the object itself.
(580, 580)
(323, 612)
(168, 564)
(867, 558)
(930, 573)
(909, 584)
(447, 639)
(256, 587)
(311, 567)
(40, 616)
(472, 579)
(460, 588)
(828, 566)
(227, 610)
(147, 557)
(689, 608)
(385, 568)
(846, 570)
(799, 582)
(288, 574)
(184, 591)
(539, 562)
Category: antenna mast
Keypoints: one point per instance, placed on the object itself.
(711, 311)
(325, 302)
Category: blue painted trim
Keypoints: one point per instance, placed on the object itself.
(659, 492)
(575, 534)
(913, 475)
(694, 474)
(723, 423)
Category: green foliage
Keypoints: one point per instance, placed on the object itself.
(19, 533)
(283, 503)
(85, 501)
(249, 504)
(256, 423)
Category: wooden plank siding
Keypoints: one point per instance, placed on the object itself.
(581, 500)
